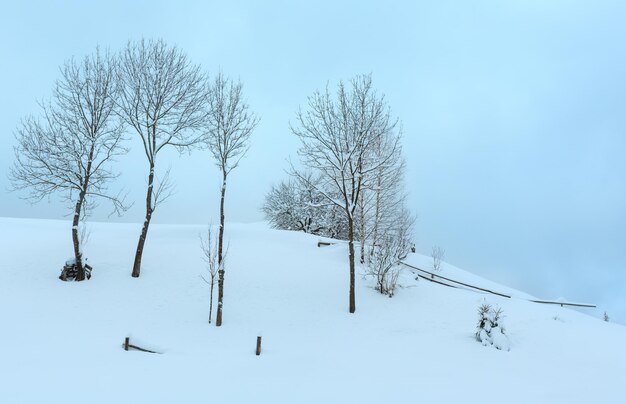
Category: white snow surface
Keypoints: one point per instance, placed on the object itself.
(61, 342)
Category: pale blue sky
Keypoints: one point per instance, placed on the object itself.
(513, 113)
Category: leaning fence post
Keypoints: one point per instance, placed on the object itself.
(258, 345)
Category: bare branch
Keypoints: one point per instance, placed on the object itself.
(230, 123)
(164, 190)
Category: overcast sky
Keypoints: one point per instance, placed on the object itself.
(514, 117)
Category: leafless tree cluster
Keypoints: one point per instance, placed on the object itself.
(350, 146)
(351, 141)
(70, 149)
(154, 91)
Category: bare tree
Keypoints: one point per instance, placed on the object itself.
(228, 128)
(70, 149)
(337, 135)
(437, 254)
(209, 248)
(163, 99)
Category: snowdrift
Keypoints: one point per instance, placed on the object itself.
(62, 341)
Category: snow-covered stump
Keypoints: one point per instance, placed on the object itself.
(324, 243)
(70, 271)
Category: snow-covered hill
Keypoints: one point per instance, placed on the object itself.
(61, 342)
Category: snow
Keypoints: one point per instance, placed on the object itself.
(72, 261)
(62, 341)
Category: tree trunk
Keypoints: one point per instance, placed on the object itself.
(77, 253)
(351, 251)
(377, 214)
(80, 276)
(146, 224)
(220, 246)
(211, 300)
(362, 226)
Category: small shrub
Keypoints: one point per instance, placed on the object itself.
(490, 330)
(437, 255)
(383, 263)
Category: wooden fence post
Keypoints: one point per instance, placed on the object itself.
(258, 345)
(126, 343)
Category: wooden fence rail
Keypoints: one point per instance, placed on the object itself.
(564, 303)
(127, 346)
(476, 288)
(433, 275)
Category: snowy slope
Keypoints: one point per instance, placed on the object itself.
(61, 342)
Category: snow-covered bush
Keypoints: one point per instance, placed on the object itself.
(392, 246)
(490, 330)
(384, 266)
(297, 205)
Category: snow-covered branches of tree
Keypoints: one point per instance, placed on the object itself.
(69, 150)
(392, 246)
(297, 205)
(228, 126)
(351, 144)
(163, 99)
